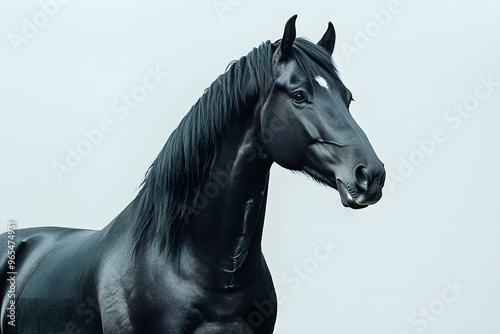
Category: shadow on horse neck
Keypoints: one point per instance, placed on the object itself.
(197, 164)
(200, 169)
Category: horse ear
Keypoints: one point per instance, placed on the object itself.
(285, 48)
(328, 39)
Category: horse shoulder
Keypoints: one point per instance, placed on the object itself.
(114, 289)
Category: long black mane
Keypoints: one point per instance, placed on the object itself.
(172, 182)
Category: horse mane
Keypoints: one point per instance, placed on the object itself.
(169, 191)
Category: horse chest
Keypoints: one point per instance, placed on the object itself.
(146, 300)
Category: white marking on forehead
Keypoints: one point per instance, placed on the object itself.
(322, 82)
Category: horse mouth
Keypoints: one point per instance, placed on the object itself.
(347, 199)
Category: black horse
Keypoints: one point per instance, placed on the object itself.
(185, 255)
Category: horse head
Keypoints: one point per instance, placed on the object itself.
(306, 124)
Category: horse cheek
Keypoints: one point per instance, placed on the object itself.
(288, 149)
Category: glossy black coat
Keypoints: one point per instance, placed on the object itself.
(185, 256)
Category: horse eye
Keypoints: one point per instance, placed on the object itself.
(299, 97)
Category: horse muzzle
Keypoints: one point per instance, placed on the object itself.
(366, 188)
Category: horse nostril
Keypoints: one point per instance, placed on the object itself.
(361, 177)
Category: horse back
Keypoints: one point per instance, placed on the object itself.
(51, 281)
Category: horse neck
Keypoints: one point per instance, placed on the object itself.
(224, 231)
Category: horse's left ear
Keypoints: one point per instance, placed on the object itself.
(285, 48)
(328, 39)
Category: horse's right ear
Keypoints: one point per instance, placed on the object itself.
(285, 48)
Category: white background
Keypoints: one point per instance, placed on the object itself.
(438, 220)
